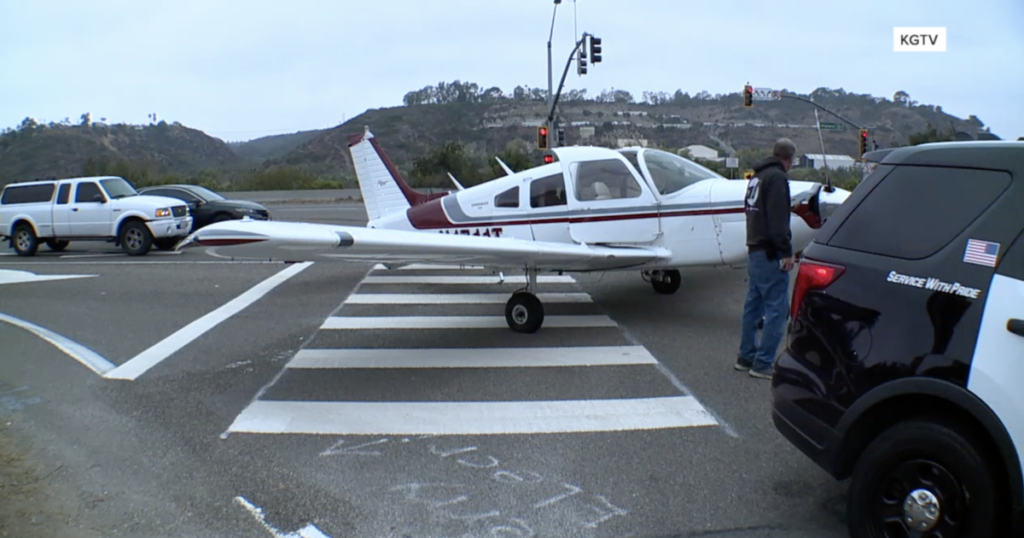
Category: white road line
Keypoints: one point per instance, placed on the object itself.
(514, 357)
(165, 348)
(122, 254)
(471, 418)
(456, 322)
(309, 531)
(452, 279)
(10, 276)
(94, 361)
(430, 267)
(459, 298)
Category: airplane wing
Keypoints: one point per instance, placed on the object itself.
(299, 241)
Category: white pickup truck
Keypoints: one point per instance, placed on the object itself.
(105, 208)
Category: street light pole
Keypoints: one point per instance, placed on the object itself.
(551, 95)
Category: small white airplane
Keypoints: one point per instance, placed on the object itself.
(592, 209)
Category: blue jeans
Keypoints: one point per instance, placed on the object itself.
(767, 298)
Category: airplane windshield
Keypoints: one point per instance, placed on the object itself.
(672, 173)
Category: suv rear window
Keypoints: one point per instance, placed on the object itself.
(27, 194)
(917, 210)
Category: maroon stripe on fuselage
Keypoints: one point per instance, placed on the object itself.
(431, 216)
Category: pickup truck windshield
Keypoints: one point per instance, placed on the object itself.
(118, 188)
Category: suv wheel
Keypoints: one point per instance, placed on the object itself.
(25, 241)
(135, 238)
(921, 478)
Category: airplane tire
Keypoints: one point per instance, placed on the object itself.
(524, 312)
(671, 280)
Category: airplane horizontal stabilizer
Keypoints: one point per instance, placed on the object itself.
(298, 241)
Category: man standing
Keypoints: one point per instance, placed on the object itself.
(770, 258)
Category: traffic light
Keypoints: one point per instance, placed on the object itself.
(561, 137)
(581, 62)
(862, 142)
(549, 158)
(542, 137)
(748, 95)
(595, 49)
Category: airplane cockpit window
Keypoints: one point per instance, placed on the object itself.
(608, 179)
(509, 198)
(548, 191)
(672, 173)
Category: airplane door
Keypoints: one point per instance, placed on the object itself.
(89, 212)
(609, 204)
(549, 212)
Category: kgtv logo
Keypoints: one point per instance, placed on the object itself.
(912, 39)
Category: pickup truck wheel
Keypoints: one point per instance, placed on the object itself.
(25, 241)
(135, 238)
(57, 246)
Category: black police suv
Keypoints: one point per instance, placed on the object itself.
(903, 368)
(207, 206)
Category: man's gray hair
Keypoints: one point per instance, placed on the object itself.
(784, 149)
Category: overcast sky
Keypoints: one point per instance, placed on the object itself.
(244, 69)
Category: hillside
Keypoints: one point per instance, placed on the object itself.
(486, 122)
(35, 150)
(463, 126)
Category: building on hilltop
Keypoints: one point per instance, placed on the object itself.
(819, 161)
(700, 151)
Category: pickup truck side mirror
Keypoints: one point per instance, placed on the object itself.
(98, 198)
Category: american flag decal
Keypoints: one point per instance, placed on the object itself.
(981, 252)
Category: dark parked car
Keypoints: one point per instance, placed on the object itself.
(904, 361)
(207, 206)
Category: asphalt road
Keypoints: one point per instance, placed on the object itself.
(216, 406)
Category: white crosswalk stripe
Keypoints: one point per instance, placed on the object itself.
(425, 350)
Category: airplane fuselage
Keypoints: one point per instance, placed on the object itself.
(694, 213)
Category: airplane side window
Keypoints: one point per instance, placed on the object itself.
(509, 198)
(609, 179)
(547, 191)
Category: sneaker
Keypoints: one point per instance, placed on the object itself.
(743, 364)
(763, 372)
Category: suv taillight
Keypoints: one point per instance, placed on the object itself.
(812, 275)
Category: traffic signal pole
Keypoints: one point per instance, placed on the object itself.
(558, 93)
(551, 36)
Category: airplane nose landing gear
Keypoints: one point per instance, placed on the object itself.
(524, 312)
(665, 282)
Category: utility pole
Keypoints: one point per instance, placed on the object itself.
(551, 95)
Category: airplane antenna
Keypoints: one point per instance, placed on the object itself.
(504, 166)
(456, 182)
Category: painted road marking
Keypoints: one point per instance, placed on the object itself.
(456, 322)
(10, 276)
(121, 254)
(459, 298)
(516, 357)
(309, 531)
(471, 418)
(453, 279)
(92, 360)
(149, 358)
(429, 267)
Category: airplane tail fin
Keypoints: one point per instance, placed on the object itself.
(383, 189)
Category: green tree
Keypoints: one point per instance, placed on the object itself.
(930, 135)
(516, 155)
(432, 168)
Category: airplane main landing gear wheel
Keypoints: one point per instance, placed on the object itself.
(524, 312)
(666, 282)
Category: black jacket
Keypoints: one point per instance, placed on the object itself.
(768, 211)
